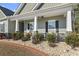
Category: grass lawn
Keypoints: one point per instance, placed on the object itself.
(11, 49)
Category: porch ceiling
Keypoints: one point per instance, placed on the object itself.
(53, 11)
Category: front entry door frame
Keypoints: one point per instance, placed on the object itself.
(21, 26)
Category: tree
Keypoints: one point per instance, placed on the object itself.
(76, 11)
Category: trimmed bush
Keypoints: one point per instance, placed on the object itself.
(37, 37)
(51, 37)
(18, 35)
(72, 39)
(26, 37)
(41, 37)
(14, 36)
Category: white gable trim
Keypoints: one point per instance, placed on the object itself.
(19, 8)
(22, 4)
(36, 6)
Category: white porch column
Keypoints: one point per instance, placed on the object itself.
(69, 21)
(35, 23)
(7, 26)
(17, 26)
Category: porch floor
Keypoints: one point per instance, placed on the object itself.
(62, 49)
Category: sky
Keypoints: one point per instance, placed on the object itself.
(11, 6)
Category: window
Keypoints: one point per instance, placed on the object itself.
(51, 24)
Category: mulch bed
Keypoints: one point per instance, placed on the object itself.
(13, 49)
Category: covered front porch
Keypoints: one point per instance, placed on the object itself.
(56, 19)
(43, 25)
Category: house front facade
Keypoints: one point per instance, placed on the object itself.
(42, 17)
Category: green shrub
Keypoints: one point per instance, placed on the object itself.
(51, 37)
(72, 39)
(26, 37)
(17, 35)
(37, 37)
(41, 37)
(13, 35)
